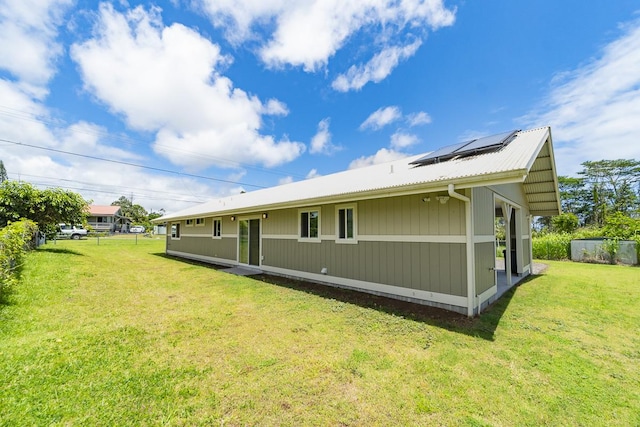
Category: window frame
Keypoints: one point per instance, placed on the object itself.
(354, 231)
(175, 235)
(189, 222)
(309, 210)
(213, 228)
(200, 222)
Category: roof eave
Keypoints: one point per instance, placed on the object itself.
(506, 177)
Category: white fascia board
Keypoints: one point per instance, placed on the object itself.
(419, 188)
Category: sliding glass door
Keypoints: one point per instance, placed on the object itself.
(249, 242)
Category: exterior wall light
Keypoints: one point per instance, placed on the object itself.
(265, 215)
(426, 199)
(233, 218)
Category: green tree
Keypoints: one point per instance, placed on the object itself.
(136, 213)
(47, 208)
(3, 172)
(566, 222)
(153, 215)
(575, 198)
(611, 184)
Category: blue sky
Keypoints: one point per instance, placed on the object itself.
(214, 97)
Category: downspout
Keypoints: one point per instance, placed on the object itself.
(529, 219)
(471, 282)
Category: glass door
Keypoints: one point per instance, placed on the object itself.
(243, 241)
(249, 241)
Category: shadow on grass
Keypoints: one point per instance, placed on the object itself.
(483, 326)
(60, 251)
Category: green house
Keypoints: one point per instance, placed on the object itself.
(420, 229)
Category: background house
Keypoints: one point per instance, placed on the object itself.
(107, 218)
(420, 229)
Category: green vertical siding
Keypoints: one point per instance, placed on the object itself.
(225, 248)
(205, 229)
(483, 212)
(228, 226)
(281, 221)
(436, 267)
(428, 266)
(485, 259)
(409, 215)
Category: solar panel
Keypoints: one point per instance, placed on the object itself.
(488, 142)
(439, 154)
(468, 148)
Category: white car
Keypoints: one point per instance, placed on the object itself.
(74, 232)
(137, 229)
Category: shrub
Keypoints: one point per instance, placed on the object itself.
(611, 248)
(588, 233)
(15, 240)
(620, 226)
(552, 246)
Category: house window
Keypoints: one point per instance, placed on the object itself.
(217, 228)
(175, 230)
(346, 229)
(189, 222)
(309, 224)
(199, 221)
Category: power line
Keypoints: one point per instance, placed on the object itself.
(141, 196)
(25, 115)
(131, 164)
(118, 189)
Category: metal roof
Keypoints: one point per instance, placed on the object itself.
(101, 210)
(530, 151)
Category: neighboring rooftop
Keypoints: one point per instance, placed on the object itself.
(101, 210)
(526, 157)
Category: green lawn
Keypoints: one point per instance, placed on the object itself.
(118, 334)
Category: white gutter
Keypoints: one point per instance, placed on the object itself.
(471, 282)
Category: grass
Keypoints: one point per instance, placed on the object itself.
(119, 334)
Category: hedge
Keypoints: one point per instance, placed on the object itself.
(15, 240)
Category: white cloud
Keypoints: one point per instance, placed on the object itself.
(377, 69)
(87, 139)
(313, 173)
(418, 119)
(285, 180)
(321, 141)
(28, 46)
(167, 80)
(382, 156)
(275, 108)
(21, 117)
(307, 33)
(238, 17)
(25, 119)
(594, 109)
(381, 117)
(400, 140)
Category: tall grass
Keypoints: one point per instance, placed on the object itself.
(556, 246)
